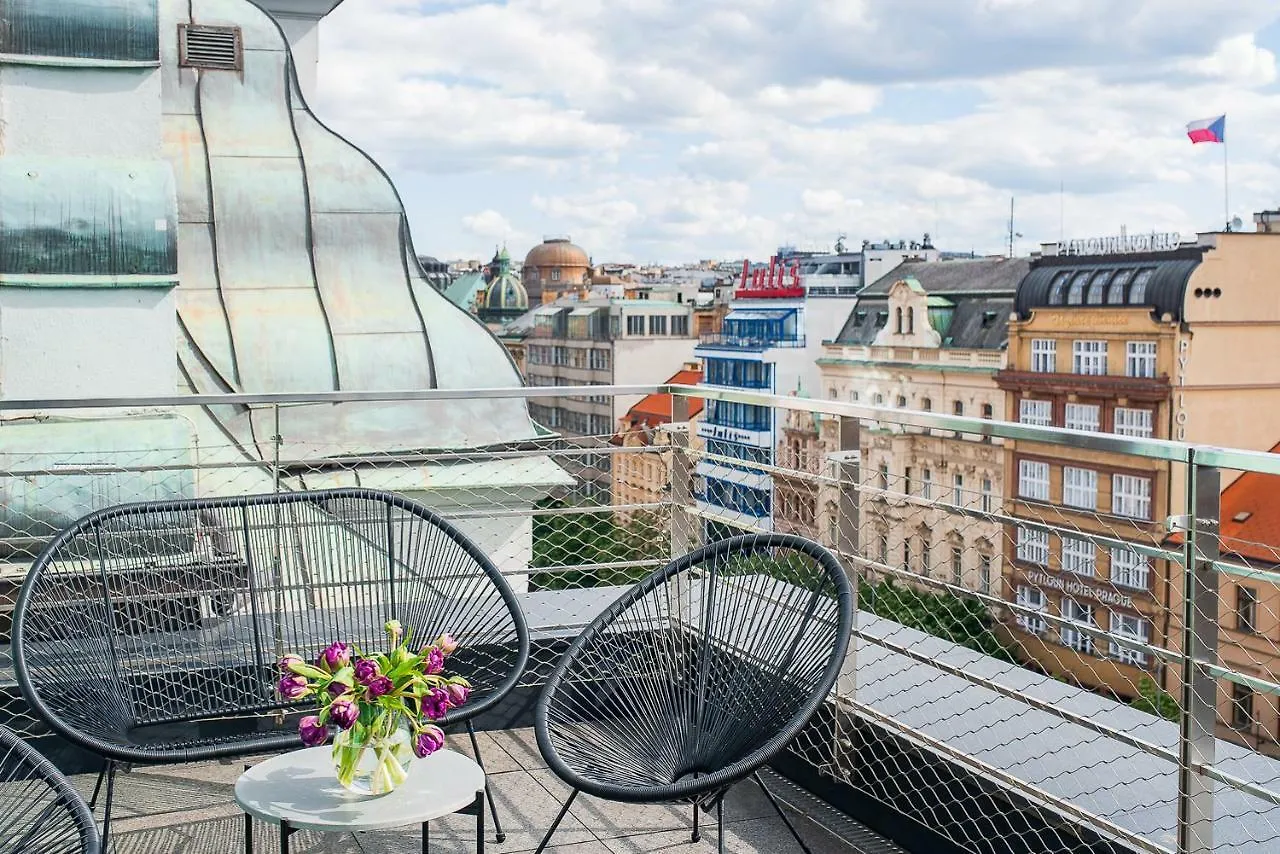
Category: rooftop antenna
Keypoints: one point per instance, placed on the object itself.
(1062, 208)
(1013, 235)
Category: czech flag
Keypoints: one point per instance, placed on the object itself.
(1208, 130)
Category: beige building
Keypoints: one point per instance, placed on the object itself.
(644, 478)
(1173, 344)
(555, 267)
(929, 336)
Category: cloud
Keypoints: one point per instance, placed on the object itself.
(489, 224)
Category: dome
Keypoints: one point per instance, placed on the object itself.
(507, 293)
(557, 252)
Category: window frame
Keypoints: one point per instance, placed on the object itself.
(1031, 598)
(1089, 353)
(1091, 421)
(1029, 473)
(1044, 355)
(1139, 358)
(1081, 484)
(1140, 498)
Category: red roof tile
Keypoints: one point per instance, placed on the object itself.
(1252, 500)
(655, 409)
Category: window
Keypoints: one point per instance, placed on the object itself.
(1058, 287)
(897, 320)
(1241, 706)
(1044, 355)
(1032, 599)
(926, 485)
(957, 566)
(1037, 412)
(1140, 359)
(911, 321)
(1080, 488)
(1078, 556)
(957, 490)
(600, 360)
(987, 410)
(906, 487)
(925, 559)
(1129, 569)
(1134, 628)
(680, 325)
(1246, 609)
(926, 404)
(1138, 290)
(906, 553)
(884, 476)
(902, 402)
(1083, 615)
(555, 274)
(958, 407)
(1089, 358)
(1133, 422)
(1033, 546)
(984, 574)
(635, 324)
(1033, 480)
(1082, 416)
(1131, 496)
(884, 548)
(1115, 293)
(1075, 292)
(657, 324)
(878, 400)
(1097, 286)
(988, 496)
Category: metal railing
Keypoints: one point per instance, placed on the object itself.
(1021, 668)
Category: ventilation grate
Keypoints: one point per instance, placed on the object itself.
(214, 48)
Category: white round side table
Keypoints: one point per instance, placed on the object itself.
(298, 791)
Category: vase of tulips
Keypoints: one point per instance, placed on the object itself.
(384, 706)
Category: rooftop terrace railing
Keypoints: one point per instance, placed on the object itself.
(1025, 675)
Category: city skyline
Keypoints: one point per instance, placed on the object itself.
(657, 132)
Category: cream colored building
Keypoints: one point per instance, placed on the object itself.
(643, 477)
(929, 336)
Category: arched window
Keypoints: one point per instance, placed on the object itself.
(897, 319)
(1075, 292)
(911, 321)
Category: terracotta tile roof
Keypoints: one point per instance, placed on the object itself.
(1250, 524)
(655, 409)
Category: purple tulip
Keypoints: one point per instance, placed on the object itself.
(311, 731)
(447, 643)
(379, 686)
(434, 662)
(429, 740)
(334, 657)
(458, 693)
(436, 704)
(293, 686)
(367, 670)
(344, 712)
(337, 689)
(290, 661)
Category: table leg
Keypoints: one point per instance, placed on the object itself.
(284, 836)
(480, 822)
(248, 834)
(426, 837)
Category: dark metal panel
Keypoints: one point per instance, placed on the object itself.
(112, 31)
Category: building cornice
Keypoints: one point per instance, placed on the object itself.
(1149, 390)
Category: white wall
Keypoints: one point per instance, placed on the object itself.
(646, 361)
(303, 33)
(101, 342)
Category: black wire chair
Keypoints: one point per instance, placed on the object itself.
(150, 633)
(698, 676)
(39, 811)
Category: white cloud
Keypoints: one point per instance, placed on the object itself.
(489, 224)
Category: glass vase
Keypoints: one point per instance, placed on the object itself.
(374, 759)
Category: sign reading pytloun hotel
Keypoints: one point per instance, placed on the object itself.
(1079, 589)
(1122, 244)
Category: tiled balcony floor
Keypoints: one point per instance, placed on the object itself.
(188, 809)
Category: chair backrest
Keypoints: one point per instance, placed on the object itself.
(710, 666)
(39, 811)
(189, 604)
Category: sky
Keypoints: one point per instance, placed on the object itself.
(663, 131)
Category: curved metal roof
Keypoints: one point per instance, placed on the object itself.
(1155, 280)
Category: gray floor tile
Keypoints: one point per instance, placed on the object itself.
(522, 746)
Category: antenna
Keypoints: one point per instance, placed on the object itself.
(1012, 234)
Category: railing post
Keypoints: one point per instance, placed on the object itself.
(1199, 712)
(683, 533)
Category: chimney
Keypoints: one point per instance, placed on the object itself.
(300, 20)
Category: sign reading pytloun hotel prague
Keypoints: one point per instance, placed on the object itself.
(1076, 588)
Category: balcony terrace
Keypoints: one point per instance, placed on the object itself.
(943, 734)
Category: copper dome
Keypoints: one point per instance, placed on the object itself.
(557, 252)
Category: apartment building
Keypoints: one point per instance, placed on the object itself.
(641, 478)
(929, 336)
(1135, 343)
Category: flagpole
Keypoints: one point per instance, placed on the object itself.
(1226, 186)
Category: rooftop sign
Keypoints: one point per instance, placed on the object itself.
(1120, 244)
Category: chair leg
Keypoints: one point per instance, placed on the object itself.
(697, 833)
(559, 818)
(498, 833)
(106, 810)
(720, 823)
(97, 787)
(791, 827)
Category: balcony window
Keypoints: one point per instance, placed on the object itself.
(1129, 569)
(1115, 293)
(1133, 422)
(1044, 355)
(1078, 556)
(957, 490)
(1134, 628)
(1075, 612)
(926, 485)
(657, 324)
(1089, 358)
(1080, 488)
(1082, 416)
(1241, 706)
(988, 496)
(1031, 598)
(1033, 480)
(1246, 609)
(1033, 546)
(1140, 359)
(635, 324)
(1131, 496)
(1036, 412)
(742, 416)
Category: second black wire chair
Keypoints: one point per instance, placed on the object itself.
(39, 811)
(698, 676)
